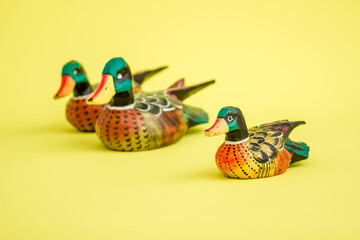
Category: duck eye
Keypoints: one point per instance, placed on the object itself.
(76, 72)
(230, 118)
(119, 76)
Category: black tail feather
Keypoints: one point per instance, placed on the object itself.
(284, 126)
(142, 76)
(185, 92)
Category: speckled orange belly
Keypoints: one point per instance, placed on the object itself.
(236, 161)
(81, 115)
(131, 130)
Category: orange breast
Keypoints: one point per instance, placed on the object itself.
(237, 161)
(81, 115)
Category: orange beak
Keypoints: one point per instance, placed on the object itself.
(220, 126)
(67, 86)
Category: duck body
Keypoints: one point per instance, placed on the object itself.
(239, 160)
(146, 120)
(258, 152)
(154, 120)
(136, 129)
(81, 115)
(78, 113)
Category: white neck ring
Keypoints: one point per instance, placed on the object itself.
(130, 106)
(237, 142)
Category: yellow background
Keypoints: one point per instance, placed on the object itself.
(296, 60)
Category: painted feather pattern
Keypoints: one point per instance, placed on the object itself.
(156, 102)
(132, 130)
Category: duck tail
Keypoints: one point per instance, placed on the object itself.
(141, 77)
(184, 92)
(194, 115)
(284, 126)
(298, 150)
(178, 84)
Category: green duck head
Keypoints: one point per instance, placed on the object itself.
(74, 79)
(116, 81)
(230, 121)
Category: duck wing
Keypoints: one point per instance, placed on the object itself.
(156, 102)
(267, 139)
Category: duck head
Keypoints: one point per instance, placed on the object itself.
(116, 84)
(230, 121)
(73, 79)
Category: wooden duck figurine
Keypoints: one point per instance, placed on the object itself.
(74, 80)
(261, 151)
(142, 121)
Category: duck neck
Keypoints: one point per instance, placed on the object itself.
(122, 99)
(82, 89)
(240, 133)
(236, 135)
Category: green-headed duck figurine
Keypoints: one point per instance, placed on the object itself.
(142, 121)
(262, 151)
(74, 80)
